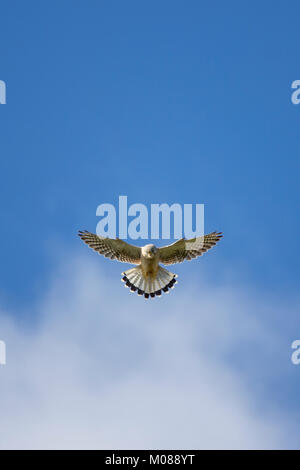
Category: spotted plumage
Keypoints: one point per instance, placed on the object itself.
(148, 278)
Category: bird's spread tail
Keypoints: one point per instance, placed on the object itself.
(149, 287)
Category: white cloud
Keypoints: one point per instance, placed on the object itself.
(103, 368)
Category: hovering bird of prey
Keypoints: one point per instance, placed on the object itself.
(148, 278)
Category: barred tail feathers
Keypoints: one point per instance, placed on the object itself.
(134, 279)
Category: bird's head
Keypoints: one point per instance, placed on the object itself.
(149, 251)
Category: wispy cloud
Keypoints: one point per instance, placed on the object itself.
(103, 368)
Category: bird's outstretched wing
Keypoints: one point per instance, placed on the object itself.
(188, 249)
(113, 249)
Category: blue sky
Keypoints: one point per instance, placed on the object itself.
(163, 102)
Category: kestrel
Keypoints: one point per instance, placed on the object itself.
(148, 278)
